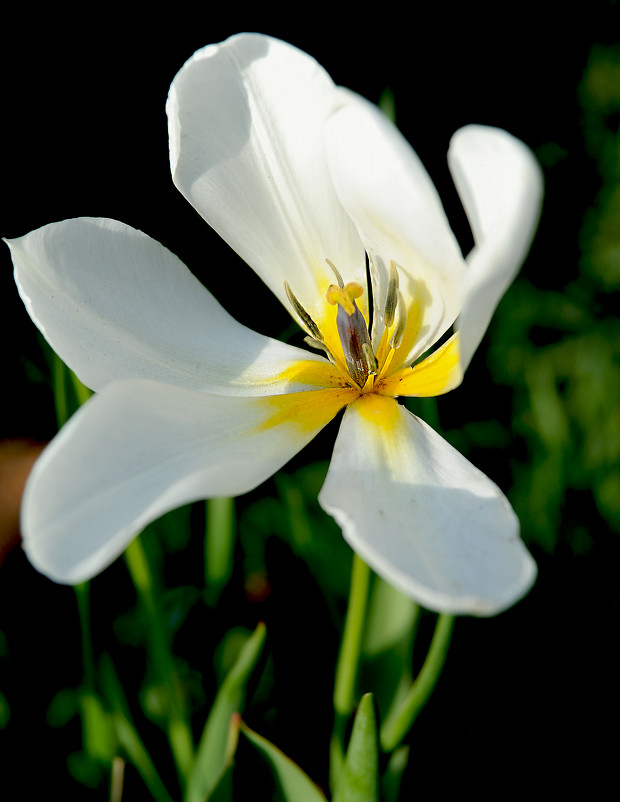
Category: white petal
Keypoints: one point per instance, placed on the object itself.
(422, 516)
(388, 193)
(115, 304)
(141, 448)
(247, 150)
(501, 187)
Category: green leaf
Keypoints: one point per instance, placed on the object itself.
(64, 705)
(359, 779)
(223, 791)
(99, 740)
(127, 734)
(391, 780)
(218, 742)
(294, 784)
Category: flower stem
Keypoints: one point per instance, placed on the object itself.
(82, 595)
(398, 723)
(96, 726)
(179, 733)
(348, 662)
(219, 546)
(61, 402)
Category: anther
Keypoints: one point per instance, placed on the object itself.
(391, 300)
(371, 359)
(397, 337)
(302, 314)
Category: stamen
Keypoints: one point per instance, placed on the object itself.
(336, 273)
(371, 359)
(391, 300)
(302, 314)
(320, 346)
(371, 300)
(397, 337)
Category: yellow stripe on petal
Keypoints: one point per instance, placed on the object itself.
(307, 411)
(379, 410)
(314, 373)
(437, 374)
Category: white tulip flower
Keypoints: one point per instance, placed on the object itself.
(321, 195)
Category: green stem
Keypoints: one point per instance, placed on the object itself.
(398, 723)
(219, 546)
(61, 401)
(348, 662)
(95, 725)
(82, 393)
(82, 595)
(179, 732)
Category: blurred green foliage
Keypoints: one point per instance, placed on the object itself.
(559, 352)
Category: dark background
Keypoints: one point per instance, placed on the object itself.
(526, 697)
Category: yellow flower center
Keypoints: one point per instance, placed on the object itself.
(371, 355)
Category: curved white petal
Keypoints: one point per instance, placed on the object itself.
(246, 148)
(422, 516)
(501, 187)
(115, 304)
(388, 193)
(141, 448)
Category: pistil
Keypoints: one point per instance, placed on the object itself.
(364, 364)
(353, 332)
